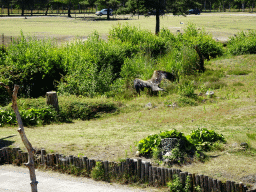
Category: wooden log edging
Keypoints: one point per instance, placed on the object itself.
(144, 172)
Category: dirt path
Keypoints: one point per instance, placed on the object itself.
(16, 179)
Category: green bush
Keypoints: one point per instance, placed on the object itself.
(208, 47)
(152, 142)
(35, 111)
(143, 40)
(203, 138)
(98, 172)
(176, 186)
(29, 117)
(33, 64)
(7, 117)
(242, 43)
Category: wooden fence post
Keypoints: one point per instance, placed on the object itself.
(142, 172)
(241, 187)
(183, 179)
(106, 169)
(232, 188)
(202, 182)
(163, 176)
(190, 176)
(166, 176)
(206, 182)
(43, 152)
(159, 175)
(197, 180)
(169, 174)
(139, 168)
(147, 164)
(150, 175)
(214, 181)
(154, 174)
(52, 99)
(228, 186)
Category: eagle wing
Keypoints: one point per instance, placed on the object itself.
(154, 82)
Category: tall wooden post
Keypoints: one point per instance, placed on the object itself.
(52, 99)
(31, 150)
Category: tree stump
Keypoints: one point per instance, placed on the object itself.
(52, 99)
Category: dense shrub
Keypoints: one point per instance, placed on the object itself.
(29, 117)
(35, 111)
(152, 142)
(142, 40)
(33, 64)
(96, 67)
(242, 43)
(208, 47)
(92, 65)
(72, 109)
(204, 138)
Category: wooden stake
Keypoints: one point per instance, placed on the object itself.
(31, 150)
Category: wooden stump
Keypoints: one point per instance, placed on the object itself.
(52, 99)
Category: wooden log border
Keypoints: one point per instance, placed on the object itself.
(144, 172)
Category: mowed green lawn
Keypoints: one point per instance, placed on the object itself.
(221, 25)
(232, 112)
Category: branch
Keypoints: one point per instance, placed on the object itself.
(24, 139)
(7, 87)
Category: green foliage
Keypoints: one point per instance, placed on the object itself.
(72, 109)
(182, 61)
(186, 88)
(33, 64)
(7, 117)
(176, 186)
(35, 111)
(208, 47)
(203, 138)
(242, 43)
(5, 98)
(152, 142)
(98, 67)
(142, 40)
(146, 146)
(98, 172)
(29, 117)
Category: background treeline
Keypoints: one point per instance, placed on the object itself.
(31, 7)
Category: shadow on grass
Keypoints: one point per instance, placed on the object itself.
(6, 143)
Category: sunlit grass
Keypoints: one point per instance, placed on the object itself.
(221, 25)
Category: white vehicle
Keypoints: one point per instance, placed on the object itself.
(104, 12)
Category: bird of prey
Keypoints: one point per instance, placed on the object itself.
(154, 82)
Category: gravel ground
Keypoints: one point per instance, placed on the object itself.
(17, 179)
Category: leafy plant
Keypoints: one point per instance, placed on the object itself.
(146, 146)
(98, 172)
(203, 138)
(152, 142)
(242, 43)
(176, 186)
(29, 117)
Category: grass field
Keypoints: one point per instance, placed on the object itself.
(231, 112)
(220, 25)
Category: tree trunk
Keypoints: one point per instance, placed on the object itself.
(157, 21)
(31, 151)
(69, 9)
(108, 13)
(52, 99)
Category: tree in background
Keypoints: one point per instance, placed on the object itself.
(108, 4)
(177, 7)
